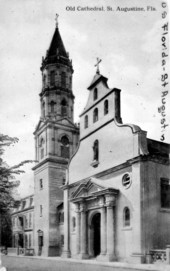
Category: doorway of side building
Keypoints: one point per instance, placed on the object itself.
(96, 234)
(20, 240)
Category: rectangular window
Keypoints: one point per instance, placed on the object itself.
(23, 204)
(31, 201)
(26, 241)
(30, 220)
(41, 184)
(29, 240)
(26, 221)
(165, 193)
(41, 210)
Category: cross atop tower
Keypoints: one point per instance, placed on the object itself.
(97, 65)
(56, 19)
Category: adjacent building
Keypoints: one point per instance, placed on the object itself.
(23, 223)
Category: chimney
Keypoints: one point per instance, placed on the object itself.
(117, 104)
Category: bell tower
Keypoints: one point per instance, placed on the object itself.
(56, 139)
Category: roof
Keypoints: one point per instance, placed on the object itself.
(24, 204)
(57, 46)
(96, 79)
(158, 148)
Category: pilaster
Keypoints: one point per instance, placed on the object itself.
(83, 234)
(110, 203)
(78, 230)
(66, 251)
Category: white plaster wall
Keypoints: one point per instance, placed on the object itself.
(101, 117)
(116, 145)
(102, 91)
(127, 239)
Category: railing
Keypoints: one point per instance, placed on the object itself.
(158, 255)
(29, 252)
(21, 251)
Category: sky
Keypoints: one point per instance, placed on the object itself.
(129, 44)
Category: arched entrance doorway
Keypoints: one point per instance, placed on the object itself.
(96, 234)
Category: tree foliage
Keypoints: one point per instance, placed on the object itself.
(7, 184)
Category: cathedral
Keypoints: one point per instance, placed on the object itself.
(102, 190)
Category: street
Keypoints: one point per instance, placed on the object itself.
(17, 263)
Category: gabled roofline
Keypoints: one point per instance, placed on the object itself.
(101, 78)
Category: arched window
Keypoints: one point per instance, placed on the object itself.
(106, 107)
(95, 115)
(40, 238)
(65, 148)
(95, 94)
(61, 217)
(63, 107)
(126, 217)
(96, 150)
(52, 78)
(52, 106)
(86, 122)
(63, 79)
(41, 211)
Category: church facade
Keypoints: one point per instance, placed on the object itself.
(117, 195)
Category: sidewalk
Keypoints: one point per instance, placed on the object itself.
(32, 263)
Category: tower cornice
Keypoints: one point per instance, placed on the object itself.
(57, 90)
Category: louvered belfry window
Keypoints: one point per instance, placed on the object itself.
(63, 107)
(65, 148)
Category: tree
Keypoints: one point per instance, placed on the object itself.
(7, 185)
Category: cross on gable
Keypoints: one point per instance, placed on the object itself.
(97, 65)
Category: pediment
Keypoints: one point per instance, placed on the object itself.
(87, 189)
(39, 125)
(66, 122)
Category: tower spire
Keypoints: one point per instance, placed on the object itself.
(56, 19)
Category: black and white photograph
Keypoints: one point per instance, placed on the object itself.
(84, 135)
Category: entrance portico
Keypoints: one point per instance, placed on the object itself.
(95, 221)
